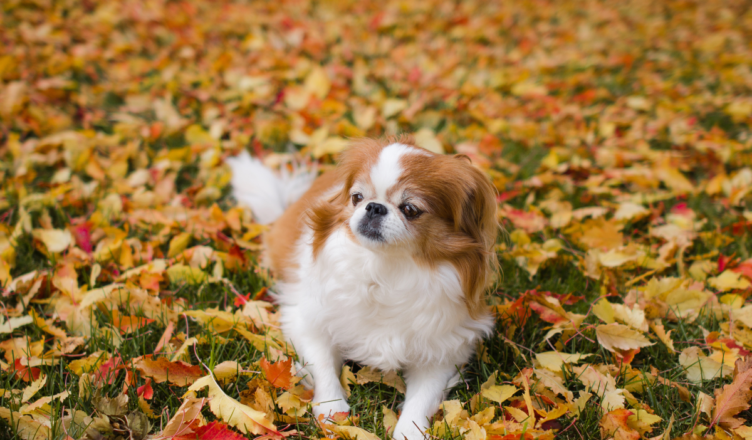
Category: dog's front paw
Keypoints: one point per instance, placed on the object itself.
(329, 408)
(407, 430)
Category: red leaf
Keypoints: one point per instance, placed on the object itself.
(568, 298)
(744, 268)
(725, 262)
(214, 431)
(278, 374)
(25, 373)
(108, 371)
(546, 313)
(82, 234)
(242, 299)
(146, 391)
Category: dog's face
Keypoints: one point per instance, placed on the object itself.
(400, 196)
(397, 197)
(387, 204)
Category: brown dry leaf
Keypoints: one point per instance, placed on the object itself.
(161, 370)
(391, 378)
(734, 397)
(179, 424)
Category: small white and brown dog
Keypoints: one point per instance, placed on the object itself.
(383, 261)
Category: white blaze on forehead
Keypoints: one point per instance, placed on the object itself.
(388, 170)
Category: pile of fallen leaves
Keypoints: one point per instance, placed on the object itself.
(617, 135)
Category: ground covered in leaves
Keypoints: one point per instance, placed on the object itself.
(618, 137)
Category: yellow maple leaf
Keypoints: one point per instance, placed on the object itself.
(244, 418)
(617, 336)
(728, 280)
(55, 240)
(499, 393)
(700, 367)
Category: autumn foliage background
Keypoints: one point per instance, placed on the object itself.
(617, 135)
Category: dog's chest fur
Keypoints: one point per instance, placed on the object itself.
(382, 310)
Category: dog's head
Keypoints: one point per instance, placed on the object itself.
(398, 198)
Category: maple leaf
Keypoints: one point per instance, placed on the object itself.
(161, 370)
(180, 424)
(615, 337)
(734, 397)
(278, 373)
(242, 417)
(700, 367)
(614, 425)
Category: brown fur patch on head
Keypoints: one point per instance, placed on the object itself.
(459, 225)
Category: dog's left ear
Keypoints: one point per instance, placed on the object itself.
(463, 157)
(479, 208)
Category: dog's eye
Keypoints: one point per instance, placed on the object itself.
(410, 211)
(356, 198)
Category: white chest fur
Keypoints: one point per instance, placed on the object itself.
(383, 310)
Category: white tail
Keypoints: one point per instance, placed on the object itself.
(267, 193)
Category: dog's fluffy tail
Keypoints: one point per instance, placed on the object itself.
(266, 192)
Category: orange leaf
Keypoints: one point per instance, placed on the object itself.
(614, 426)
(129, 324)
(161, 370)
(278, 374)
(150, 280)
(734, 397)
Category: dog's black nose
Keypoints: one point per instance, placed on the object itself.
(375, 210)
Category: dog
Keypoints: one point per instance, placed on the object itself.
(384, 261)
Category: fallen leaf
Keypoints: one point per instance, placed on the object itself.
(162, 370)
(617, 336)
(180, 424)
(614, 426)
(245, 419)
(279, 374)
(734, 397)
(55, 240)
(391, 378)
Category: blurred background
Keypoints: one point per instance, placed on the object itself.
(461, 75)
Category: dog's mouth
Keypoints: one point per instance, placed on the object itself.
(371, 228)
